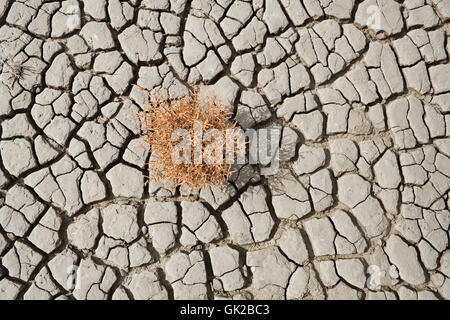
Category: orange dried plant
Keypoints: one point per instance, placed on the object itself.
(162, 116)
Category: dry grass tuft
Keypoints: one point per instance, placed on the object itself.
(162, 116)
(12, 71)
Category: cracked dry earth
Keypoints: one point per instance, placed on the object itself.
(358, 210)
